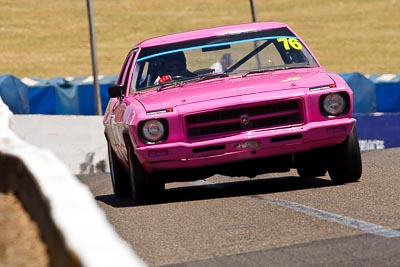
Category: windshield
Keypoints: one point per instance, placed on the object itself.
(242, 53)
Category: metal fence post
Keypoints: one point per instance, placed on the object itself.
(96, 87)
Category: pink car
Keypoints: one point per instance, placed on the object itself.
(239, 100)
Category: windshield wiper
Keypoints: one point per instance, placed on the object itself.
(212, 76)
(261, 71)
(168, 84)
(297, 66)
(284, 67)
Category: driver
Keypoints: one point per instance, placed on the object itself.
(172, 66)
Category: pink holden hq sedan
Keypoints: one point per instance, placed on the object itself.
(239, 100)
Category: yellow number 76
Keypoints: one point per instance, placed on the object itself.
(289, 43)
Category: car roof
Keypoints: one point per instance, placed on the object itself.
(210, 32)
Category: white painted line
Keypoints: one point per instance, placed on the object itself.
(344, 220)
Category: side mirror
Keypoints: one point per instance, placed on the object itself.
(116, 90)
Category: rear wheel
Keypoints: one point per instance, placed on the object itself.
(119, 175)
(311, 164)
(344, 163)
(145, 186)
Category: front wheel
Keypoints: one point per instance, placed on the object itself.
(344, 160)
(119, 175)
(144, 186)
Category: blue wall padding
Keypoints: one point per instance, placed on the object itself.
(380, 130)
(388, 97)
(363, 92)
(15, 94)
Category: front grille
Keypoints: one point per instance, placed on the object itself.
(233, 119)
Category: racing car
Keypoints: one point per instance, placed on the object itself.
(236, 100)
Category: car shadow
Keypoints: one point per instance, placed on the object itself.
(223, 190)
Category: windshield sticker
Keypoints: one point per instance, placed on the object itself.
(289, 43)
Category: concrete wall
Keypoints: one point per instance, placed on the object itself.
(78, 141)
(74, 228)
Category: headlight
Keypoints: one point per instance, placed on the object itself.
(153, 130)
(334, 104)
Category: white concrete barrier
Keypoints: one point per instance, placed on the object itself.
(78, 141)
(74, 228)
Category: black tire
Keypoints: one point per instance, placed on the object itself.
(311, 164)
(344, 164)
(119, 175)
(145, 187)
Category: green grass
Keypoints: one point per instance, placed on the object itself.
(50, 38)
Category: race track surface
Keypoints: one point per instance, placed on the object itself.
(271, 220)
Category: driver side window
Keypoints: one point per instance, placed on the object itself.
(144, 75)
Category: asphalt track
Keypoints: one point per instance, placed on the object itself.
(271, 220)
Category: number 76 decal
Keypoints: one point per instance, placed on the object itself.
(289, 43)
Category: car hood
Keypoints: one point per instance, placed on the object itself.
(234, 86)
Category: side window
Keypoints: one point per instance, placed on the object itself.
(144, 75)
(122, 78)
(126, 73)
(121, 73)
(140, 77)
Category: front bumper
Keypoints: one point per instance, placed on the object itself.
(245, 146)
